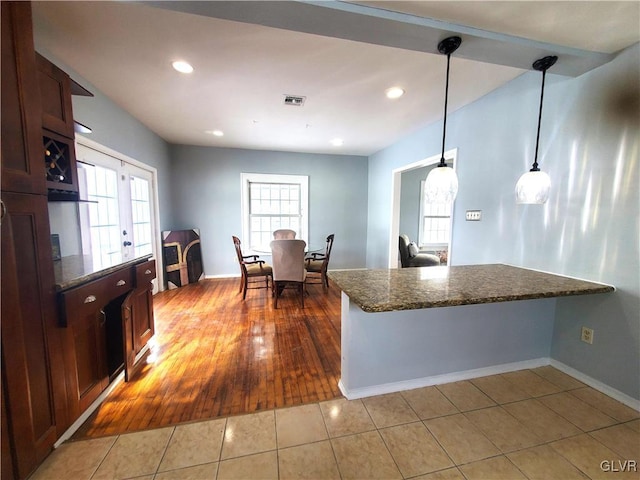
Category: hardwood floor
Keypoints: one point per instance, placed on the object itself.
(217, 355)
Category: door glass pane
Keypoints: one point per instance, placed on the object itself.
(140, 211)
(104, 221)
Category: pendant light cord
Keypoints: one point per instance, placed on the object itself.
(535, 158)
(444, 126)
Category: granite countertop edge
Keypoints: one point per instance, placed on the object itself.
(377, 306)
(77, 273)
(381, 307)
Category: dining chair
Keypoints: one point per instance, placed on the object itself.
(316, 264)
(287, 257)
(284, 234)
(251, 267)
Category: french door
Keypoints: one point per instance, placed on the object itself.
(118, 223)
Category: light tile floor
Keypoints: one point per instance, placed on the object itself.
(530, 424)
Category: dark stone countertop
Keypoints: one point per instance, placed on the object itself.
(75, 270)
(428, 287)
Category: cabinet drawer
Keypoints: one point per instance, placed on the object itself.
(145, 272)
(91, 297)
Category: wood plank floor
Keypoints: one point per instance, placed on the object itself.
(217, 355)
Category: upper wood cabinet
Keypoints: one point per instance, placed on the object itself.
(22, 163)
(55, 95)
(59, 160)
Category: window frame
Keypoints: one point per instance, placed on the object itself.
(247, 178)
(422, 243)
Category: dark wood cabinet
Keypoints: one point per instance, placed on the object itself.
(53, 366)
(110, 321)
(138, 321)
(21, 118)
(86, 314)
(58, 134)
(55, 94)
(33, 373)
(32, 366)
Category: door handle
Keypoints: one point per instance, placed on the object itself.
(126, 243)
(121, 283)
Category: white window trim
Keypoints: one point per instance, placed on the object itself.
(302, 180)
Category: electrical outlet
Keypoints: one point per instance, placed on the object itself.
(474, 215)
(587, 335)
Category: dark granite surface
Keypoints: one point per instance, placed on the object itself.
(429, 287)
(75, 270)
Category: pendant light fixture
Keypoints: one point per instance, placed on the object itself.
(442, 182)
(533, 187)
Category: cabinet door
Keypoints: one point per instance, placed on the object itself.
(55, 96)
(31, 364)
(85, 321)
(22, 161)
(143, 322)
(137, 319)
(91, 357)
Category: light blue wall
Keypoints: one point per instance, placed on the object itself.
(206, 190)
(589, 228)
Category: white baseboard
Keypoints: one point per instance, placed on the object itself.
(598, 385)
(483, 372)
(87, 413)
(440, 379)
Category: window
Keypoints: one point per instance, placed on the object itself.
(271, 202)
(435, 221)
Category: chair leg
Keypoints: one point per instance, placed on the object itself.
(244, 289)
(276, 290)
(301, 291)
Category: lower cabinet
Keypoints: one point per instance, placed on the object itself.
(138, 322)
(110, 321)
(33, 381)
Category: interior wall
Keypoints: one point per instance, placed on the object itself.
(590, 144)
(207, 190)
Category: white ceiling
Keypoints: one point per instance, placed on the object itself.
(244, 65)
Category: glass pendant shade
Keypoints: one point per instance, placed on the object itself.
(441, 185)
(533, 188)
(442, 182)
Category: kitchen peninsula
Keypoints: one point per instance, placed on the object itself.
(411, 327)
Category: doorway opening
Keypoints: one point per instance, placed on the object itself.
(451, 157)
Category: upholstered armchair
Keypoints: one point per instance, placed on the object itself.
(287, 257)
(284, 234)
(411, 257)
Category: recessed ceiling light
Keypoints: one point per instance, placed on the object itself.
(215, 133)
(394, 92)
(337, 142)
(182, 66)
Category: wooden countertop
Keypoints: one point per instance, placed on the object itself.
(75, 270)
(429, 287)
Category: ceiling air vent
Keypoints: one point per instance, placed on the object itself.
(295, 100)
